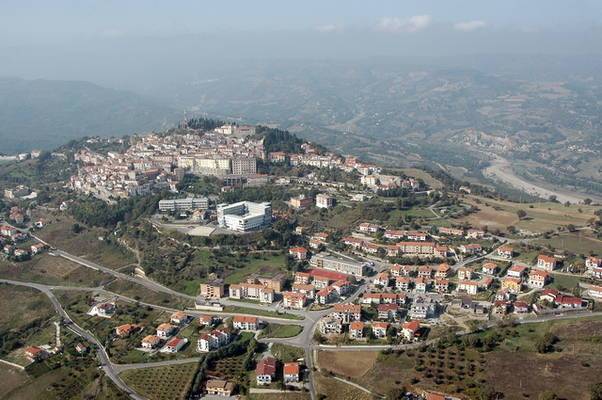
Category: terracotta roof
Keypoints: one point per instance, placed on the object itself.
(245, 319)
(291, 368)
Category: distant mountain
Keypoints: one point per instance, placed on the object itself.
(45, 114)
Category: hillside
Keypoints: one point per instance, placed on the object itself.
(45, 114)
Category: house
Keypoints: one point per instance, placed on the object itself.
(402, 283)
(520, 307)
(387, 311)
(290, 372)
(393, 298)
(489, 268)
(252, 291)
(308, 290)
(537, 279)
(212, 290)
(451, 231)
(517, 271)
(331, 324)
(423, 308)
(326, 295)
(81, 348)
(245, 323)
(409, 330)
(320, 282)
(219, 387)
(441, 285)
(302, 277)
(379, 329)
(35, 353)
(366, 227)
(595, 291)
(293, 300)
(7, 230)
(125, 330)
(213, 340)
(469, 287)
(593, 262)
(420, 285)
(475, 234)
(564, 301)
(265, 370)
(394, 234)
(37, 248)
(105, 310)
(382, 279)
(348, 312)
(464, 274)
(356, 330)
(206, 320)
(512, 285)
(443, 271)
(549, 295)
(505, 251)
(416, 235)
(425, 271)
(300, 202)
(441, 251)
(371, 298)
(179, 317)
(547, 263)
(174, 345)
(470, 249)
(150, 342)
(299, 253)
(343, 287)
(402, 270)
(165, 330)
(500, 307)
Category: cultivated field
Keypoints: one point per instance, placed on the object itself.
(162, 383)
(21, 306)
(347, 364)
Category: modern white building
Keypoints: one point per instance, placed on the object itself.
(244, 216)
(187, 204)
(325, 201)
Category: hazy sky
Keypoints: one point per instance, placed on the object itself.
(25, 21)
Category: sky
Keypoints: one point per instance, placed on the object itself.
(134, 44)
(60, 21)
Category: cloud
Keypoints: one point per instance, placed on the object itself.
(329, 28)
(412, 24)
(469, 26)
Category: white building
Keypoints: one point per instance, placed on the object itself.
(244, 216)
(325, 201)
(187, 204)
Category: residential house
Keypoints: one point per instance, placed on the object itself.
(451, 231)
(291, 372)
(348, 312)
(517, 271)
(441, 285)
(179, 317)
(343, 287)
(379, 329)
(331, 324)
(420, 285)
(125, 330)
(382, 279)
(505, 251)
(469, 287)
(105, 310)
(299, 253)
(356, 330)
(512, 285)
(367, 227)
(545, 262)
(174, 345)
(206, 320)
(520, 307)
(219, 387)
(564, 301)
(37, 248)
(402, 270)
(165, 330)
(265, 370)
(326, 295)
(252, 291)
(423, 308)
(470, 249)
(387, 311)
(302, 277)
(35, 353)
(475, 234)
(464, 274)
(537, 279)
(443, 271)
(402, 283)
(150, 342)
(321, 282)
(425, 271)
(308, 290)
(212, 290)
(245, 323)
(489, 268)
(409, 330)
(293, 300)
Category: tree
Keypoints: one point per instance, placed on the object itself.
(587, 201)
(521, 214)
(545, 344)
(596, 391)
(548, 395)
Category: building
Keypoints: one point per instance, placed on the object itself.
(299, 253)
(213, 289)
(35, 353)
(489, 268)
(213, 340)
(464, 274)
(244, 166)
(379, 329)
(174, 345)
(187, 204)
(300, 202)
(125, 330)
(265, 370)
(179, 317)
(165, 330)
(517, 271)
(470, 287)
(506, 252)
(245, 323)
(512, 285)
(331, 325)
(244, 216)
(293, 300)
(409, 330)
(290, 372)
(348, 312)
(325, 201)
(251, 291)
(547, 263)
(326, 295)
(537, 278)
(150, 342)
(356, 330)
(219, 387)
(387, 311)
(345, 266)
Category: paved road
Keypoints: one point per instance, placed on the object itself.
(103, 357)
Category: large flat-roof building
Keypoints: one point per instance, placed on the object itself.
(244, 216)
(345, 266)
(187, 204)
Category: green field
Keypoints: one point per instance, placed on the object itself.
(287, 353)
(281, 331)
(577, 243)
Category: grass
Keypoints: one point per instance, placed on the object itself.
(59, 233)
(267, 265)
(281, 331)
(11, 379)
(347, 364)
(286, 353)
(336, 390)
(162, 383)
(279, 396)
(140, 293)
(20, 306)
(425, 176)
(261, 313)
(565, 282)
(47, 269)
(577, 243)
(542, 217)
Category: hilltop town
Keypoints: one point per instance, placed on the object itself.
(220, 260)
